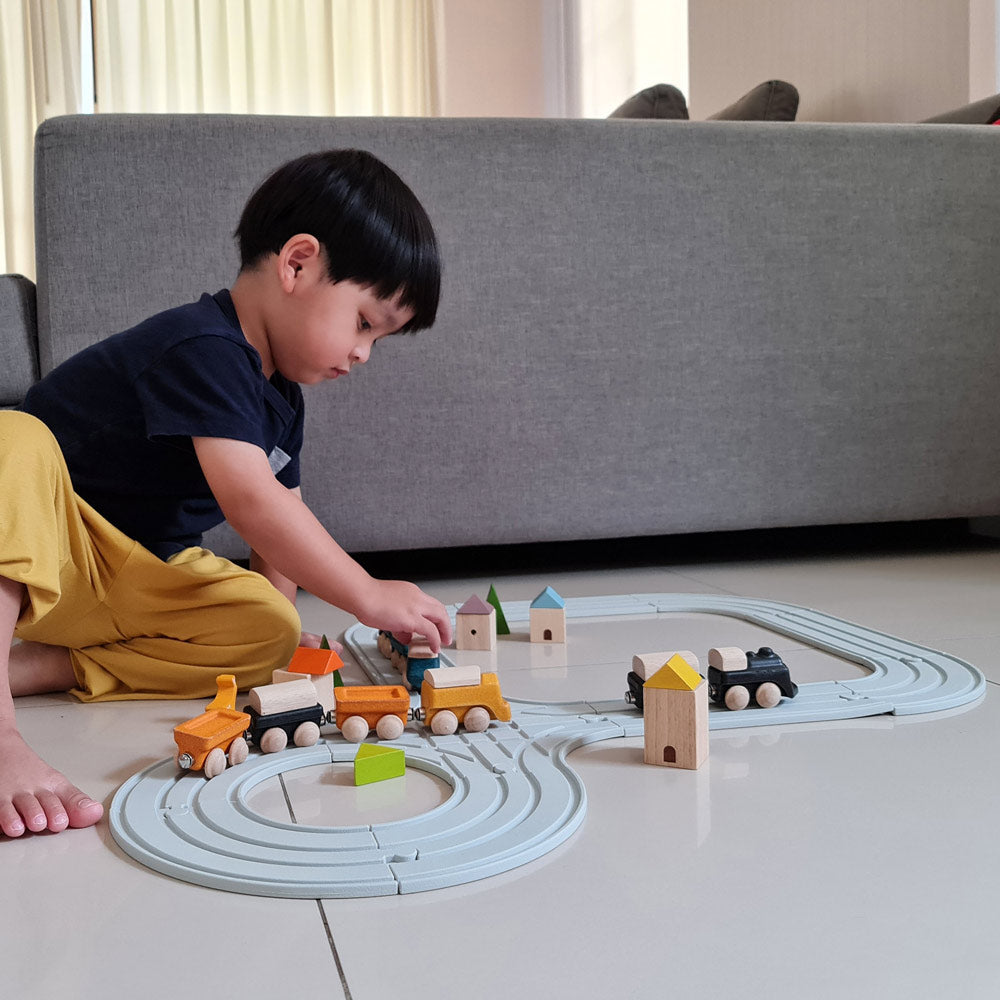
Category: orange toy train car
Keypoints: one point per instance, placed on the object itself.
(207, 741)
(382, 707)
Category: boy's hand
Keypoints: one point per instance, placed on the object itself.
(403, 608)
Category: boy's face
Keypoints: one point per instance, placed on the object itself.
(325, 329)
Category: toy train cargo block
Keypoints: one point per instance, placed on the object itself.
(382, 707)
(735, 677)
(676, 716)
(377, 763)
(321, 666)
(282, 712)
(419, 659)
(204, 742)
(644, 665)
(445, 704)
(547, 617)
(476, 625)
(493, 599)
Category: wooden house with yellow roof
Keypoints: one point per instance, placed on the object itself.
(675, 715)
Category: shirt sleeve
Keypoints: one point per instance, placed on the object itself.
(203, 387)
(291, 444)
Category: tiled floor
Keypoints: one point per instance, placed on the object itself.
(853, 859)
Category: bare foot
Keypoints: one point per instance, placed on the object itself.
(36, 797)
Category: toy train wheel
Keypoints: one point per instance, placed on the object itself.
(215, 762)
(389, 727)
(238, 751)
(737, 698)
(444, 723)
(354, 729)
(306, 735)
(273, 740)
(768, 695)
(477, 720)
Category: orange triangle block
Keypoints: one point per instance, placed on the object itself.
(675, 675)
(315, 661)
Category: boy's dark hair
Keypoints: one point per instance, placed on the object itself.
(371, 226)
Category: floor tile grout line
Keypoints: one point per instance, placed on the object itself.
(288, 801)
(333, 951)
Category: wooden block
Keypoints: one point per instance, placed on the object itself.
(270, 698)
(547, 624)
(727, 658)
(377, 763)
(646, 664)
(676, 726)
(281, 675)
(315, 661)
(476, 625)
(324, 687)
(449, 677)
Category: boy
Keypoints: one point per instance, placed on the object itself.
(129, 451)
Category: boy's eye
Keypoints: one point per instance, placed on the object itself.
(365, 325)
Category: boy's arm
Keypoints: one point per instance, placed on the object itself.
(288, 537)
(279, 581)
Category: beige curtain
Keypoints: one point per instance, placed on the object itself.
(302, 57)
(39, 78)
(298, 57)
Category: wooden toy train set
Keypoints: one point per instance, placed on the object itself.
(514, 794)
(304, 697)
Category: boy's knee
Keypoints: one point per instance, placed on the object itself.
(273, 625)
(24, 434)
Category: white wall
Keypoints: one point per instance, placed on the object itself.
(852, 60)
(494, 58)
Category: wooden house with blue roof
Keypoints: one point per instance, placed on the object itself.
(547, 617)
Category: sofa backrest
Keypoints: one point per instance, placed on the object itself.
(646, 326)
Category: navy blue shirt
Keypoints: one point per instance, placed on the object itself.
(124, 412)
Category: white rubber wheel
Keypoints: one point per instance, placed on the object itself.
(354, 729)
(477, 720)
(238, 751)
(273, 740)
(306, 735)
(444, 723)
(737, 698)
(389, 727)
(768, 695)
(215, 762)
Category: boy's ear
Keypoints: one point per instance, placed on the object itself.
(299, 256)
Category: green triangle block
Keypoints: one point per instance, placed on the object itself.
(493, 598)
(375, 762)
(338, 681)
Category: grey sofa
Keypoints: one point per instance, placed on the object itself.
(646, 327)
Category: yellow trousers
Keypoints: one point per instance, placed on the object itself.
(135, 626)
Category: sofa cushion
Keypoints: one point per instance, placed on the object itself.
(984, 112)
(773, 101)
(18, 340)
(661, 101)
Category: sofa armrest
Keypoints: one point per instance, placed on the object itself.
(18, 338)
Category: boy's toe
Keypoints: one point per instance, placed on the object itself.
(82, 810)
(31, 812)
(10, 820)
(55, 815)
